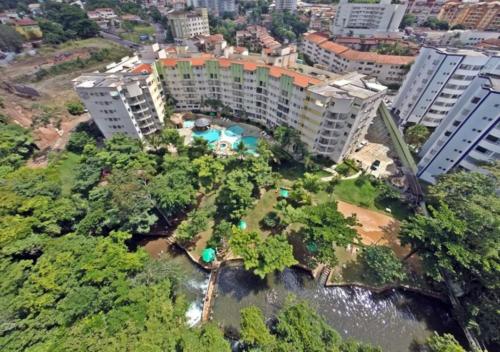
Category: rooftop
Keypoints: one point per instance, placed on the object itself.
(350, 85)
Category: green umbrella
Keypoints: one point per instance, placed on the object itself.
(242, 225)
(208, 255)
(284, 193)
(312, 247)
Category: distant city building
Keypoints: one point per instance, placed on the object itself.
(388, 69)
(423, 9)
(469, 136)
(188, 24)
(256, 38)
(358, 18)
(437, 79)
(456, 38)
(373, 43)
(217, 7)
(290, 5)
(123, 101)
(479, 15)
(104, 17)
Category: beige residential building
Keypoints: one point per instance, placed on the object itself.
(482, 15)
(188, 24)
(331, 112)
(388, 69)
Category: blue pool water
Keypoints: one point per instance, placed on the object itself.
(188, 124)
(211, 135)
(234, 131)
(250, 142)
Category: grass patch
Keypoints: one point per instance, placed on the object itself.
(264, 205)
(65, 166)
(134, 35)
(360, 191)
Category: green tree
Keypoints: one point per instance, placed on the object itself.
(171, 136)
(302, 329)
(198, 148)
(254, 331)
(416, 135)
(326, 227)
(235, 195)
(210, 171)
(408, 21)
(16, 145)
(10, 40)
(443, 343)
(311, 182)
(75, 108)
(262, 256)
(196, 222)
(221, 234)
(382, 264)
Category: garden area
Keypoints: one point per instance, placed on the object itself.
(136, 32)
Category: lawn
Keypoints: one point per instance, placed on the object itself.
(134, 35)
(361, 192)
(66, 169)
(264, 205)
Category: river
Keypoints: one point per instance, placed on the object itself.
(397, 321)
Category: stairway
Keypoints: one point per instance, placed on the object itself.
(325, 274)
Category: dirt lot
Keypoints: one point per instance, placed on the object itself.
(54, 91)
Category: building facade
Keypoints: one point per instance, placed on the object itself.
(126, 101)
(388, 69)
(356, 19)
(332, 115)
(188, 24)
(469, 136)
(423, 9)
(289, 5)
(217, 7)
(436, 81)
(480, 15)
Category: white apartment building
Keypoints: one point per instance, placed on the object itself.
(188, 24)
(469, 135)
(123, 101)
(290, 5)
(356, 19)
(331, 114)
(387, 69)
(437, 79)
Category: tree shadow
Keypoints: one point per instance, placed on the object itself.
(235, 281)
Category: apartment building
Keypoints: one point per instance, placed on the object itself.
(423, 9)
(437, 80)
(469, 136)
(216, 7)
(188, 24)
(256, 38)
(331, 114)
(479, 15)
(289, 5)
(123, 99)
(356, 18)
(388, 69)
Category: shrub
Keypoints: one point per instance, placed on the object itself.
(78, 141)
(75, 108)
(381, 264)
(271, 220)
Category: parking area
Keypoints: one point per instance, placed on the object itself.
(376, 151)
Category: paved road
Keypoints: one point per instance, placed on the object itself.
(118, 40)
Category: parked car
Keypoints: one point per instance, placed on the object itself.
(375, 165)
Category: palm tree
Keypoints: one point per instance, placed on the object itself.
(241, 148)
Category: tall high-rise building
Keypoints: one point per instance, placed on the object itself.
(357, 18)
(188, 24)
(436, 81)
(469, 136)
(473, 15)
(290, 5)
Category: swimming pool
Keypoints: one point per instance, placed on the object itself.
(188, 124)
(211, 135)
(234, 131)
(249, 142)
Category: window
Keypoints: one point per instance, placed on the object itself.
(475, 100)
